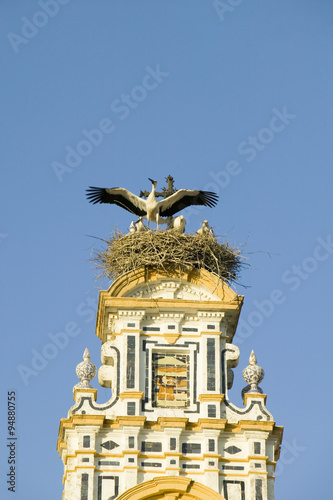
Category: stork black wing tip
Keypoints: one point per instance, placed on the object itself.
(210, 198)
(94, 194)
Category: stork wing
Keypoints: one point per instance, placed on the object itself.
(184, 198)
(118, 196)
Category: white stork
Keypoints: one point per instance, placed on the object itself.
(205, 229)
(179, 223)
(152, 209)
(132, 228)
(139, 225)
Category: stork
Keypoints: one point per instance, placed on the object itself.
(179, 223)
(205, 229)
(139, 225)
(152, 209)
(132, 228)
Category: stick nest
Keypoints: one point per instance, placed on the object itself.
(168, 251)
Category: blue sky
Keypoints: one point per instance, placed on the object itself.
(234, 99)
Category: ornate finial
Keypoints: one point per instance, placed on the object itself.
(86, 371)
(253, 375)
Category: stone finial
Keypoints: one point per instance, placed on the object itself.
(253, 375)
(86, 371)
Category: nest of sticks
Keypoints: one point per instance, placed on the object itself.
(168, 251)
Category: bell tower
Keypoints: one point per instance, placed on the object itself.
(168, 430)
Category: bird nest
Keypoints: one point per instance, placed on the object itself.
(168, 251)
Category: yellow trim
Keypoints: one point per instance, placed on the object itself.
(175, 304)
(190, 473)
(130, 280)
(165, 422)
(200, 457)
(161, 456)
(78, 452)
(210, 423)
(88, 419)
(235, 460)
(127, 330)
(250, 425)
(118, 471)
(172, 422)
(131, 420)
(258, 457)
(210, 332)
(163, 335)
(73, 471)
(249, 396)
(188, 458)
(154, 305)
(169, 454)
(131, 395)
(167, 487)
(227, 299)
(131, 452)
(61, 445)
(171, 338)
(161, 422)
(110, 455)
(203, 398)
(83, 390)
(84, 467)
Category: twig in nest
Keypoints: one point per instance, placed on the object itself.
(168, 250)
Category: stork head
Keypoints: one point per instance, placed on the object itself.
(154, 183)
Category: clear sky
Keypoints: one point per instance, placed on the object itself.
(234, 99)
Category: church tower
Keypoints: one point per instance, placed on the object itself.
(169, 430)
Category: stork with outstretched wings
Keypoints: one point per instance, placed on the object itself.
(151, 208)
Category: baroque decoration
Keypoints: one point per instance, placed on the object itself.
(85, 371)
(253, 375)
(167, 429)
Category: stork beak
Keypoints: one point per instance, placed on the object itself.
(151, 180)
